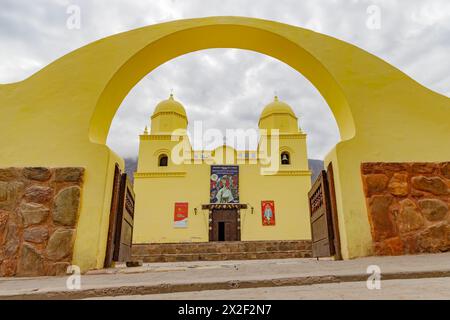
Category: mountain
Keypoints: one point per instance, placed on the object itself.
(131, 167)
(316, 166)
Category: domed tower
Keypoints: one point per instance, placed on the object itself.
(169, 115)
(279, 115)
(158, 150)
(292, 154)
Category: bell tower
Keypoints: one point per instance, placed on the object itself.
(292, 153)
(169, 115)
(168, 128)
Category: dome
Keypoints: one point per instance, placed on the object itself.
(277, 107)
(170, 105)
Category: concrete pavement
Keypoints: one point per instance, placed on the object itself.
(411, 289)
(197, 276)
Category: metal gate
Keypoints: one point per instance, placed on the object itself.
(324, 223)
(121, 220)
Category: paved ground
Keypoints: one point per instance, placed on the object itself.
(413, 289)
(195, 276)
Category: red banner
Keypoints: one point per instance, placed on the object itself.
(181, 214)
(268, 213)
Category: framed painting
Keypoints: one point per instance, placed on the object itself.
(181, 215)
(268, 213)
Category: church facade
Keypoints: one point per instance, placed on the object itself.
(187, 195)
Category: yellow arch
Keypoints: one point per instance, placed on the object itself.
(198, 36)
(61, 115)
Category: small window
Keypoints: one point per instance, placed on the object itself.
(285, 158)
(163, 160)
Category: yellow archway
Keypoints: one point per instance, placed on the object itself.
(61, 115)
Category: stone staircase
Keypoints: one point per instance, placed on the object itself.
(220, 251)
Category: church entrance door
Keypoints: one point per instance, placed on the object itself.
(225, 225)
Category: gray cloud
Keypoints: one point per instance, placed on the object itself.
(229, 88)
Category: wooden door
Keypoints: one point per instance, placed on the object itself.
(321, 218)
(334, 213)
(125, 220)
(121, 220)
(110, 247)
(225, 226)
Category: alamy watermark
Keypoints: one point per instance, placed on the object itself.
(373, 21)
(374, 280)
(267, 153)
(73, 282)
(73, 21)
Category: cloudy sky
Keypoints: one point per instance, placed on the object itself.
(228, 88)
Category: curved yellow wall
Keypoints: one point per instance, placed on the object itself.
(61, 115)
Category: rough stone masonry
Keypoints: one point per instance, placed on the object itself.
(39, 210)
(408, 206)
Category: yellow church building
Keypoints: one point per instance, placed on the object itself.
(185, 195)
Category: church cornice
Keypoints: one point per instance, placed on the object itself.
(277, 114)
(170, 113)
(288, 136)
(166, 137)
(153, 175)
(290, 173)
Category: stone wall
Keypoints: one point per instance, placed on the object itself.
(408, 206)
(38, 218)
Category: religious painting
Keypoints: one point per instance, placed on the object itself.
(268, 213)
(224, 184)
(181, 215)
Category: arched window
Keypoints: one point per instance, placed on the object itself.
(285, 158)
(163, 160)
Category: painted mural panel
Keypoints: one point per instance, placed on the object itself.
(268, 213)
(224, 184)
(181, 215)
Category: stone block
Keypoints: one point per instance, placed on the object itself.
(9, 174)
(37, 174)
(409, 217)
(445, 169)
(31, 262)
(375, 183)
(381, 223)
(33, 213)
(65, 210)
(434, 239)
(4, 194)
(60, 244)
(398, 185)
(371, 167)
(424, 167)
(435, 185)
(9, 193)
(12, 241)
(36, 235)
(58, 269)
(69, 175)
(389, 247)
(8, 268)
(394, 166)
(433, 209)
(4, 216)
(38, 194)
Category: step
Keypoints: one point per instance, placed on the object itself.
(220, 247)
(259, 255)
